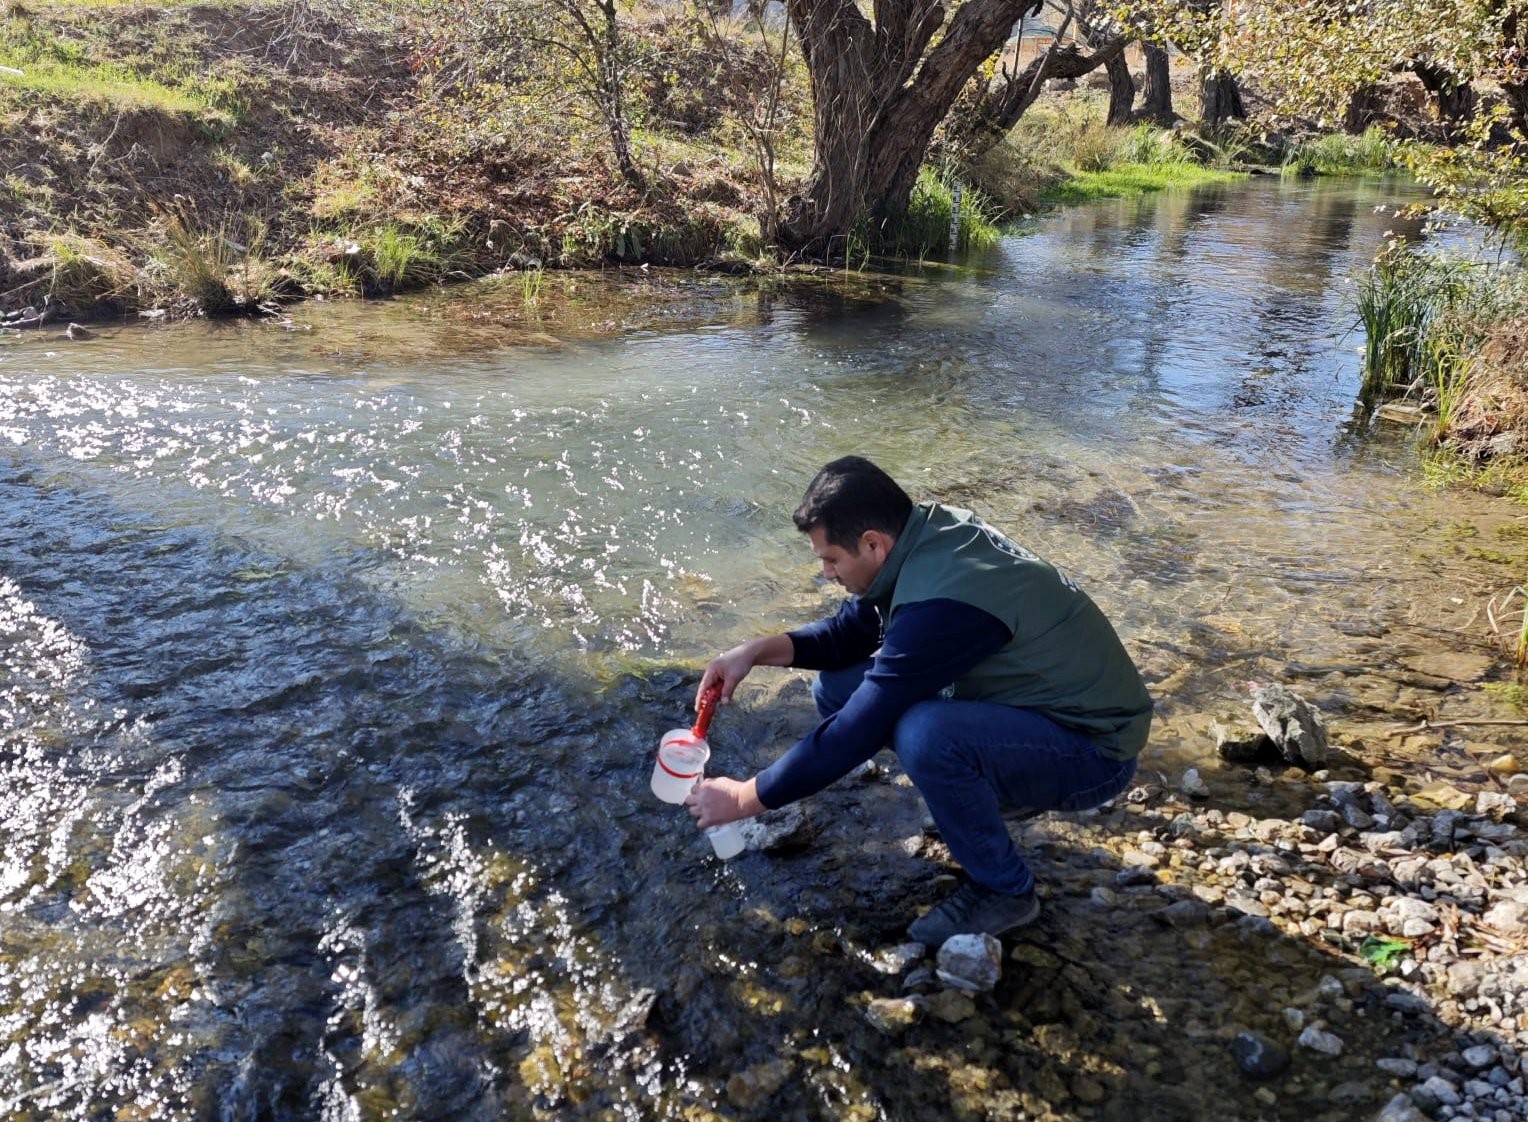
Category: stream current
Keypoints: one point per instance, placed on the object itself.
(333, 652)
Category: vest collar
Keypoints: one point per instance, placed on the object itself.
(880, 590)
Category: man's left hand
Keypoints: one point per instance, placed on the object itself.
(715, 802)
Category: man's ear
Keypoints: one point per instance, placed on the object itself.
(878, 540)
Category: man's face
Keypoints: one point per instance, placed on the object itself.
(854, 571)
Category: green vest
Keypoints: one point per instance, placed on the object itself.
(1064, 659)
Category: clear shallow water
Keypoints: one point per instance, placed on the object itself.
(318, 797)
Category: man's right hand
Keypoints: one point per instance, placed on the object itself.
(729, 668)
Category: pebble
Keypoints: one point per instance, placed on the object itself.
(1481, 1055)
(1257, 1056)
(1319, 1040)
(970, 962)
(1401, 1109)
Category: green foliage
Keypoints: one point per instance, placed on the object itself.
(1146, 144)
(1341, 154)
(404, 259)
(1383, 952)
(926, 227)
(1479, 179)
(1425, 317)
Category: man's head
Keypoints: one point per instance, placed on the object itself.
(853, 512)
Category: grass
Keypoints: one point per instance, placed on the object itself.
(219, 267)
(927, 226)
(103, 83)
(1395, 301)
(86, 271)
(1340, 154)
(1508, 616)
(1131, 179)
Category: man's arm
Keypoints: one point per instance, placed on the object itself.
(927, 647)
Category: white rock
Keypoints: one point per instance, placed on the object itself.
(1318, 1040)
(1481, 1055)
(1193, 786)
(970, 962)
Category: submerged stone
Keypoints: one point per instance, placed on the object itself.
(1257, 1056)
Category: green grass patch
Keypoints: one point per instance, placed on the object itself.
(1128, 180)
(1340, 154)
(927, 226)
(110, 85)
(33, 58)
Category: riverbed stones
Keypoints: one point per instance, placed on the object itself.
(950, 1006)
(1400, 1109)
(970, 962)
(1193, 785)
(751, 1088)
(778, 831)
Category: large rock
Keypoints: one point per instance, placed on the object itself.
(778, 830)
(1292, 723)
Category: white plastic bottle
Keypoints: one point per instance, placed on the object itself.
(727, 840)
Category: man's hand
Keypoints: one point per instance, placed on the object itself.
(731, 667)
(715, 802)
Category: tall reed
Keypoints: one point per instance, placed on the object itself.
(1393, 306)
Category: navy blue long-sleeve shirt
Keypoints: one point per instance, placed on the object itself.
(928, 646)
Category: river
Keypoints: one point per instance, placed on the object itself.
(333, 649)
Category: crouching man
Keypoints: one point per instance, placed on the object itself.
(1000, 685)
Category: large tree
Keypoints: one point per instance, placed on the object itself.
(881, 82)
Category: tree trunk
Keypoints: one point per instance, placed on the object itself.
(610, 61)
(1157, 90)
(878, 91)
(1222, 100)
(1121, 89)
(1456, 100)
(999, 108)
(1364, 108)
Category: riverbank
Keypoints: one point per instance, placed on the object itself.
(188, 158)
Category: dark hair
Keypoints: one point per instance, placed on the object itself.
(848, 497)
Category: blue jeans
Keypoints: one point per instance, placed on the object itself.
(972, 759)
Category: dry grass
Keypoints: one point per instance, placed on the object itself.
(1490, 422)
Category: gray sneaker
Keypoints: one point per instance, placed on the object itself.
(972, 909)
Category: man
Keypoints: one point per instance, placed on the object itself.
(999, 684)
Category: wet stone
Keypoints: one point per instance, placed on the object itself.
(750, 1089)
(971, 962)
(893, 1015)
(1326, 821)
(1351, 1093)
(949, 1006)
(1257, 1056)
(1319, 1040)
(1401, 1109)
(1439, 1091)
(1481, 1055)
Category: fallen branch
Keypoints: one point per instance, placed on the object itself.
(1425, 725)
